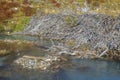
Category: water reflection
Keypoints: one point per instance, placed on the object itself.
(90, 70)
(4, 78)
(82, 69)
(61, 75)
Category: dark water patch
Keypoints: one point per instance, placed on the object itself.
(4, 78)
(26, 74)
(90, 70)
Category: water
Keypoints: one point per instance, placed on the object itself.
(18, 37)
(81, 69)
(90, 70)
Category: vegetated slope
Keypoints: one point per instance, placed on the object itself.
(15, 14)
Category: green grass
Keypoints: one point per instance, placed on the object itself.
(16, 24)
(22, 21)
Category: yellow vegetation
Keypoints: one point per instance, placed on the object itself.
(13, 46)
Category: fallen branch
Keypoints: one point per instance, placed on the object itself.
(103, 53)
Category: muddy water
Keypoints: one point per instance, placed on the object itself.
(81, 69)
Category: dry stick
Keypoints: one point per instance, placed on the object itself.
(103, 53)
(32, 57)
(52, 42)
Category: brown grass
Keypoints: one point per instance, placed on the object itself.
(13, 46)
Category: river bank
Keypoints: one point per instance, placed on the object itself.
(41, 63)
(89, 35)
(86, 36)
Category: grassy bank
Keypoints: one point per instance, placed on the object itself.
(16, 14)
(13, 46)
